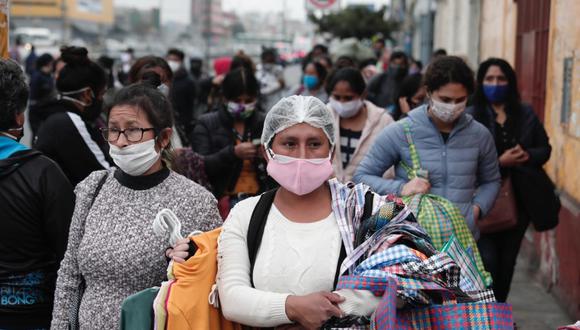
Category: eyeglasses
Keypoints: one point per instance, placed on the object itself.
(131, 134)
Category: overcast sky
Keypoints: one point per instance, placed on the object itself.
(179, 10)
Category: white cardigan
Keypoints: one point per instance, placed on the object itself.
(293, 259)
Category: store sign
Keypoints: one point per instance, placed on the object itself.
(322, 4)
(90, 6)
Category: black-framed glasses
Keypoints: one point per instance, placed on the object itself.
(131, 134)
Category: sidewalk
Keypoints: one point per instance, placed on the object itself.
(534, 308)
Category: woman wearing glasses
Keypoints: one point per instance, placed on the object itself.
(112, 252)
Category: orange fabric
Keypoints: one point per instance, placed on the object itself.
(247, 182)
(187, 305)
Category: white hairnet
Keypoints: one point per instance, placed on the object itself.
(293, 110)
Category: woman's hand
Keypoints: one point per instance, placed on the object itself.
(416, 186)
(514, 157)
(179, 252)
(246, 150)
(404, 105)
(311, 311)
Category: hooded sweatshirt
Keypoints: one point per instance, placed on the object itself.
(36, 205)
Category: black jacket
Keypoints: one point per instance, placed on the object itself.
(36, 205)
(214, 138)
(383, 89)
(183, 94)
(533, 189)
(71, 141)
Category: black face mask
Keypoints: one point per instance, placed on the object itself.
(398, 72)
(93, 111)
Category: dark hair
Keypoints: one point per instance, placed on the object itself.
(352, 76)
(176, 52)
(43, 60)
(409, 87)
(320, 70)
(151, 79)
(79, 71)
(367, 62)
(325, 58)
(513, 100)
(239, 82)
(439, 52)
(344, 61)
(448, 69)
(13, 93)
(242, 60)
(321, 48)
(268, 52)
(152, 102)
(399, 54)
(145, 64)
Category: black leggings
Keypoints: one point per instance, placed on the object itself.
(499, 252)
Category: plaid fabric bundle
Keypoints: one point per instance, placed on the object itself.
(438, 216)
(449, 316)
(471, 279)
(442, 220)
(475, 316)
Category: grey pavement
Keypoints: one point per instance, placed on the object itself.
(534, 308)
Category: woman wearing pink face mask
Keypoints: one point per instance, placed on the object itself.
(287, 277)
(456, 153)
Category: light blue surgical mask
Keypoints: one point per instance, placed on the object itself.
(310, 81)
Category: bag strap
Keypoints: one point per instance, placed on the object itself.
(74, 311)
(416, 163)
(256, 227)
(367, 213)
(258, 223)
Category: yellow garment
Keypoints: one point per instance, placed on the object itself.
(247, 181)
(187, 302)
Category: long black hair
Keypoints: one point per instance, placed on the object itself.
(512, 101)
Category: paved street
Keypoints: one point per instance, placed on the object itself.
(534, 308)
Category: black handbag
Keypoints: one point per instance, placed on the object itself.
(537, 196)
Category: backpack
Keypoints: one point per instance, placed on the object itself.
(258, 223)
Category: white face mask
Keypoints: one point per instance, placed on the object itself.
(135, 159)
(447, 112)
(163, 88)
(174, 65)
(346, 109)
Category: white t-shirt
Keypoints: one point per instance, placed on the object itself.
(293, 259)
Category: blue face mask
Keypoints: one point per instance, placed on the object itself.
(495, 93)
(310, 81)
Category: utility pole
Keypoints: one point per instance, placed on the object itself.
(208, 33)
(284, 24)
(65, 22)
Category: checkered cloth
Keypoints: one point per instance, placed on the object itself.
(348, 208)
(471, 279)
(439, 264)
(474, 316)
(480, 315)
(438, 216)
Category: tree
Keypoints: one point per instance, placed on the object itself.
(355, 21)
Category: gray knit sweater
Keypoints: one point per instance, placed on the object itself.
(118, 254)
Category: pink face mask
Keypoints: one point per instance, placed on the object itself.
(300, 176)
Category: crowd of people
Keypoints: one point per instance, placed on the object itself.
(113, 145)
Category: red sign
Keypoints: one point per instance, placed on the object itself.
(321, 4)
